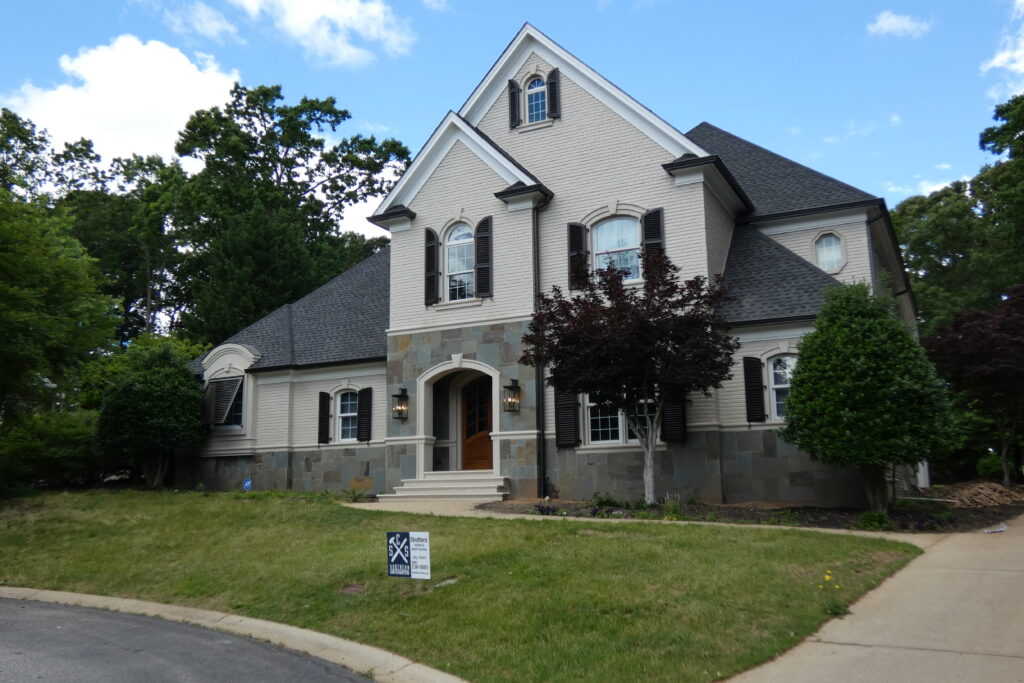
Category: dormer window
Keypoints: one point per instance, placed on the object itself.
(536, 100)
(828, 252)
(460, 263)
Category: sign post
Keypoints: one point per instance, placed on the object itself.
(409, 554)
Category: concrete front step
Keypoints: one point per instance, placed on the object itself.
(459, 485)
(442, 495)
(453, 482)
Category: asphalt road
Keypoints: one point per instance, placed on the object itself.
(48, 642)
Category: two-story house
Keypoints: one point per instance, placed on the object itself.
(402, 376)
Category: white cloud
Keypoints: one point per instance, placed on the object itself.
(1018, 9)
(895, 120)
(327, 28)
(922, 187)
(943, 167)
(793, 130)
(436, 5)
(127, 97)
(201, 19)
(891, 24)
(831, 140)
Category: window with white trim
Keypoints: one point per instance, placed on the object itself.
(347, 412)
(828, 252)
(780, 371)
(224, 401)
(459, 264)
(617, 243)
(607, 425)
(536, 100)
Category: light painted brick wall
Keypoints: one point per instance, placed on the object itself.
(462, 186)
(856, 248)
(719, 226)
(592, 159)
(732, 400)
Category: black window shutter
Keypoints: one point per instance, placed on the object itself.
(323, 422)
(567, 420)
(484, 268)
(208, 402)
(753, 385)
(430, 274)
(363, 413)
(224, 391)
(513, 104)
(652, 224)
(554, 95)
(578, 266)
(673, 422)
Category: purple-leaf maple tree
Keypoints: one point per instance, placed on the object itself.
(634, 347)
(981, 353)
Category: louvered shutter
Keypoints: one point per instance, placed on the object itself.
(430, 265)
(363, 413)
(578, 266)
(209, 402)
(567, 420)
(223, 396)
(753, 385)
(323, 422)
(554, 95)
(673, 422)
(482, 244)
(652, 224)
(513, 104)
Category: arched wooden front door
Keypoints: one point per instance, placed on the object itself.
(476, 425)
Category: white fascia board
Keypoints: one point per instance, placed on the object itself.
(528, 40)
(451, 130)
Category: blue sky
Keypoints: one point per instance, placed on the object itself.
(888, 96)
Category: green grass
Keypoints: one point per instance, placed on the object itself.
(533, 600)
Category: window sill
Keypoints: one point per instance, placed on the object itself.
(527, 127)
(613, 447)
(462, 303)
(227, 428)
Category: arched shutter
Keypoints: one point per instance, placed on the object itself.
(431, 276)
(578, 266)
(652, 225)
(567, 420)
(364, 411)
(222, 395)
(753, 386)
(513, 104)
(323, 422)
(673, 422)
(484, 268)
(554, 95)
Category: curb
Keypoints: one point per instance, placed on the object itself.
(384, 665)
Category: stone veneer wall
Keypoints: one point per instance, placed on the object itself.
(713, 467)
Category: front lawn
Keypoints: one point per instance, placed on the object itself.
(526, 600)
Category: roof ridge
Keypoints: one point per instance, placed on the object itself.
(779, 156)
(498, 148)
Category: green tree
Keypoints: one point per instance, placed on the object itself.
(261, 219)
(151, 410)
(52, 316)
(863, 394)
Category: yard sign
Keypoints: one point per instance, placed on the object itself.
(409, 554)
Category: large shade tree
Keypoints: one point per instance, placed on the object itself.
(863, 394)
(633, 348)
(982, 354)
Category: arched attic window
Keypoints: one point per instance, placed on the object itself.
(828, 252)
(460, 263)
(536, 100)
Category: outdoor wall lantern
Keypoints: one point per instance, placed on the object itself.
(510, 396)
(400, 404)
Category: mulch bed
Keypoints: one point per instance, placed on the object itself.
(946, 513)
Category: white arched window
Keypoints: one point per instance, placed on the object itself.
(780, 370)
(348, 407)
(617, 243)
(828, 252)
(459, 263)
(536, 100)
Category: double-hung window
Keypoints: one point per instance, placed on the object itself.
(536, 100)
(780, 372)
(460, 262)
(608, 425)
(348, 407)
(617, 244)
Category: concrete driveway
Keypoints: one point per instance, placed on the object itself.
(49, 642)
(954, 614)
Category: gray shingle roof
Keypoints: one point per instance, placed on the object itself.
(774, 183)
(766, 281)
(341, 322)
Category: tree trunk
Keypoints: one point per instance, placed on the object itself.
(1004, 455)
(649, 472)
(155, 469)
(876, 487)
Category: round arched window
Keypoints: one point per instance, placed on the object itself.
(617, 244)
(460, 263)
(536, 100)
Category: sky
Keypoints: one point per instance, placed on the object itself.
(887, 96)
